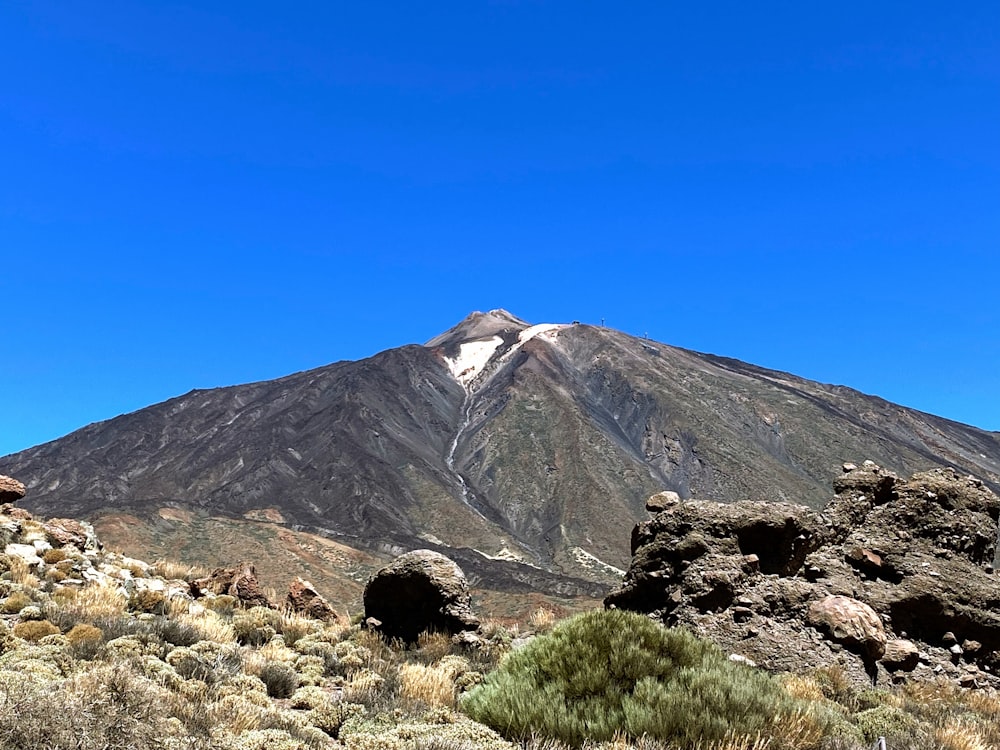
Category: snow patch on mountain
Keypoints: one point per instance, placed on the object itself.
(589, 561)
(472, 358)
(537, 330)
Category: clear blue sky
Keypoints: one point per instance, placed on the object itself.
(207, 194)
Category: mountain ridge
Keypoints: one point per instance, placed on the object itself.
(536, 445)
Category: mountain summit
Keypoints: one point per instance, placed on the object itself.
(526, 451)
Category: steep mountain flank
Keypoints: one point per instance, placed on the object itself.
(527, 451)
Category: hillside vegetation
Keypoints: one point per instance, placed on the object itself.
(89, 659)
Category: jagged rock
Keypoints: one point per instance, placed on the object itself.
(305, 600)
(419, 591)
(918, 553)
(11, 490)
(850, 622)
(239, 582)
(900, 654)
(63, 531)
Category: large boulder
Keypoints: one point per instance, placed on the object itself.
(11, 490)
(850, 622)
(239, 582)
(419, 591)
(772, 582)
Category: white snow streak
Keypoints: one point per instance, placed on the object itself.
(588, 560)
(472, 358)
(530, 333)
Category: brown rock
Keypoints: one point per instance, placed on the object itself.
(239, 582)
(417, 592)
(900, 654)
(11, 490)
(850, 622)
(305, 600)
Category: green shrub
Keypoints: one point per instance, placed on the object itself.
(256, 626)
(898, 727)
(146, 600)
(603, 674)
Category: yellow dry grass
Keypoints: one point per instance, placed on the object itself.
(542, 620)
(430, 685)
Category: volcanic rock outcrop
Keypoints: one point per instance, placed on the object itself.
(891, 577)
(239, 582)
(419, 591)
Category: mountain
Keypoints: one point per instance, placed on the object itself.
(525, 452)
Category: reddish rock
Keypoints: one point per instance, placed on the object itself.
(239, 582)
(305, 600)
(11, 490)
(14, 512)
(63, 531)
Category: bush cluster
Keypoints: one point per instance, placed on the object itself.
(603, 675)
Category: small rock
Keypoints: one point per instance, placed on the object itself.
(949, 638)
(849, 467)
(67, 531)
(239, 582)
(742, 614)
(741, 659)
(970, 646)
(662, 500)
(26, 552)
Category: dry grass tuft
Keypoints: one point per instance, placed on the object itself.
(433, 686)
(542, 620)
(959, 735)
(20, 573)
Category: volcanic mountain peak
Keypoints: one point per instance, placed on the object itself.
(478, 326)
(484, 341)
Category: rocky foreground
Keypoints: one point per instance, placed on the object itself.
(893, 578)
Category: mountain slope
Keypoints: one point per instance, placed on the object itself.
(528, 443)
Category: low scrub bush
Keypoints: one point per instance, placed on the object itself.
(85, 640)
(281, 680)
(15, 603)
(605, 674)
(153, 602)
(34, 630)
